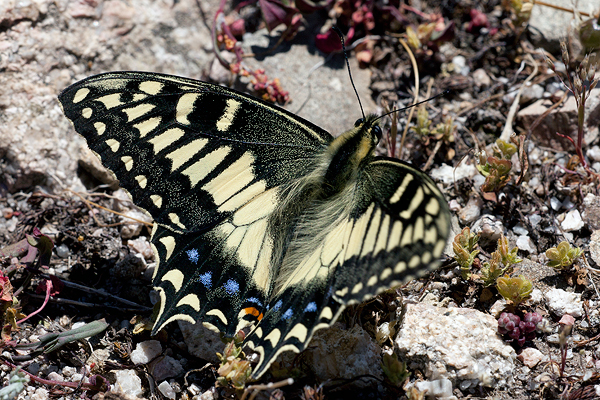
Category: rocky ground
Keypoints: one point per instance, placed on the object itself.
(485, 325)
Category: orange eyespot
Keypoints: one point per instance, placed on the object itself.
(254, 312)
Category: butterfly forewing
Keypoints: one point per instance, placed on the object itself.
(206, 163)
(252, 224)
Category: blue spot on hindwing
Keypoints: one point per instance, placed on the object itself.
(206, 279)
(311, 307)
(277, 305)
(193, 255)
(288, 314)
(232, 287)
(254, 300)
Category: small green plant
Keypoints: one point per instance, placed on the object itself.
(16, 384)
(234, 370)
(581, 85)
(496, 168)
(520, 10)
(508, 255)
(563, 255)
(500, 263)
(395, 370)
(492, 269)
(423, 122)
(464, 250)
(515, 290)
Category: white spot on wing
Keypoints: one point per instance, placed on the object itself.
(80, 95)
(176, 278)
(226, 119)
(100, 127)
(175, 220)
(151, 87)
(219, 314)
(185, 106)
(111, 100)
(384, 234)
(113, 144)
(135, 112)
(299, 332)
(433, 206)
(128, 161)
(190, 300)
(157, 200)
(167, 138)
(233, 179)
(198, 170)
(415, 202)
(147, 126)
(142, 181)
(401, 189)
(273, 337)
(86, 112)
(169, 243)
(185, 153)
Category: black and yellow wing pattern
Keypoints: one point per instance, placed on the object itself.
(262, 219)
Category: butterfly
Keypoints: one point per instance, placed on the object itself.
(261, 218)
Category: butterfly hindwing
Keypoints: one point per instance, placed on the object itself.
(394, 230)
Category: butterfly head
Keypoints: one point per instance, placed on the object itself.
(369, 129)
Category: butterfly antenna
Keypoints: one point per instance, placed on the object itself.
(341, 35)
(445, 92)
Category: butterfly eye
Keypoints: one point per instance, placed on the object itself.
(377, 132)
(358, 122)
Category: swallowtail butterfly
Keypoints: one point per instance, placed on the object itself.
(261, 217)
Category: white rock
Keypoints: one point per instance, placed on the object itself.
(40, 394)
(441, 388)
(536, 296)
(561, 302)
(146, 351)
(77, 325)
(69, 371)
(127, 382)
(167, 390)
(555, 203)
(456, 344)
(525, 243)
(572, 221)
(594, 153)
(448, 174)
(471, 211)
(531, 357)
(534, 219)
(55, 376)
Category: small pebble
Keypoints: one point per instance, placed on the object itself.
(167, 390)
(127, 382)
(62, 251)
(525, 243)
(146, 351)
(530, 357)
(572, 221)
(562, 302)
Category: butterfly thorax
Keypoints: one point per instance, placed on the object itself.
(315, 203)
(347, 152)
